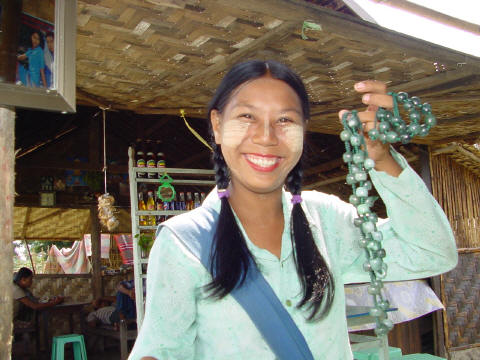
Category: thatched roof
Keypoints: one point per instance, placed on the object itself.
(58, 224)
(157, 56)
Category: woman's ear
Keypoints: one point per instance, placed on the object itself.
(215, 121)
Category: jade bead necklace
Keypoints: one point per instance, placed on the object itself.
(389, 128)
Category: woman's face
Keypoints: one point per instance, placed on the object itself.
(50, 43)
(35, 40)
(261, 131)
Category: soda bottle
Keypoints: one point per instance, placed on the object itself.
(202, 197)
(150, 207)
(196, 200)
(141, 163)
(142, 207)
(181, 201)
(189, 201)
(160, 156)
(151, 164)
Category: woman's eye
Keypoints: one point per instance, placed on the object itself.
(246, 116)
(285, 120)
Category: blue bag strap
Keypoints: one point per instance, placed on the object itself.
(196, 232)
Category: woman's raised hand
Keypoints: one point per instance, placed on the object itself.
(374, 95)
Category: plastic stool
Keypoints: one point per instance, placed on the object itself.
(372, 354)
(421, 357)
(58, 346)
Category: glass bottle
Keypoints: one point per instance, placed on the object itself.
(142, 207)
(151, 207)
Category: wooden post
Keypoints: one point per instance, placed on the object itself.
(7, 184)
(96, 264)
(438, 334)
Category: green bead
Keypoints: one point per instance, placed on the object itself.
(424, 130)
(369, 164)
(367, 185)
(357, 221)
(405, 138)
(381, 330)
(377, 236)
(430, 120)
(396, 120)
(355, 140)
(350, 179)
(347, 157)
(384, 305)
(373, 134)
(383, 127)
(414, 116)
(415, 100)
(373, 245)
(381, 114)
(382, 138)
(407, 105)
(353, 122)
(368, 227)
(373, 290)
(362, 209)
(376, 264)
(362, 192)
(371, 200)
(376, 311)
(361, 176)
(392, 137)
(381, 253)
(402, 96)
(358, 157)
(426, 108)
(363, 243)
(387, 323)
(367, 267)
(382, 273)
(413, 129)
(345, 135)
(354, 199)
(401, 127)
(355, 169)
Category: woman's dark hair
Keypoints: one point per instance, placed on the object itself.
(22, 273)
(231, 259)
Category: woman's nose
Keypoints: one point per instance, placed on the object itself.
(264, 134)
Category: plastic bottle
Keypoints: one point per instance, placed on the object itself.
(151, 164)
(151, 207)
(159, 206)
(142, 207)
(189, 201)
(181, 201)
(196, 200)
(202, 197)
(141, 163)
(160, 156)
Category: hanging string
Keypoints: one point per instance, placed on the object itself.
(192, 130)
(104, 149)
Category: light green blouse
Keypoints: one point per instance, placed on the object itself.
(181, 323)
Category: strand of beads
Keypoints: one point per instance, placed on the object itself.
(389, 128)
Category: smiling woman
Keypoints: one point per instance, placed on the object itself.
(257, 272)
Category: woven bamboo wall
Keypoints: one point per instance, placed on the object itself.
(457, 190)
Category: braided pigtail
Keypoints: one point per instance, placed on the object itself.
(230, 257)
(313, 272)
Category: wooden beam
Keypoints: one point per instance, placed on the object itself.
(469, 137)
(43, 143)
(214, 69)
(459, 119)
(193, 159)
(96, 263)
(432, 15)
(329, 165)
(53, 164)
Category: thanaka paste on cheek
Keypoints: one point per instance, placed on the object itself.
(293, 137)
(233, 132)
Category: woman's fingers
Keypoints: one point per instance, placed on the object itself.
(379, 100)
(371, 86)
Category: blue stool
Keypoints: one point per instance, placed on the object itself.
(58, 347)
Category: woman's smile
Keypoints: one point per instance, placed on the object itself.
(264, 163)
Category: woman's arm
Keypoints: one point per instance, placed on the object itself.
(38, 306)
(169, 329)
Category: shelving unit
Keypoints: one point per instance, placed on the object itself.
(200, 177)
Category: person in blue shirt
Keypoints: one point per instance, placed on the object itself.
(36, 62)
(49, 58)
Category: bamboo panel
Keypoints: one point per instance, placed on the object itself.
(460, 295)
(457, 189)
